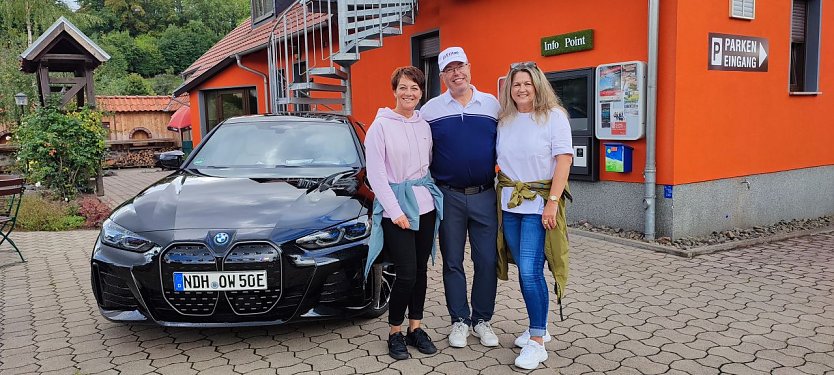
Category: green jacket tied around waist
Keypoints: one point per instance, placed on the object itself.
(556, 239)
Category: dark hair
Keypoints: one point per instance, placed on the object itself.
(409, 72)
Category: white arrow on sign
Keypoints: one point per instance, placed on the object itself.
(762, 54)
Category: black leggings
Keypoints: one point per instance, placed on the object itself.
(409, 251)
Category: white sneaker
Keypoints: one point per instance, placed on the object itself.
(484, 331)
(460, 331)
(521, 341)
(531, 356)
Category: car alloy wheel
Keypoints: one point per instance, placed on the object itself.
(382, 281)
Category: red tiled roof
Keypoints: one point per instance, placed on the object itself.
(138, 103)
(243, 39)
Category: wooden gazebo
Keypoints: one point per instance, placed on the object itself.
(64, 49)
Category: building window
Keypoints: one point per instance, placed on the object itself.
(744, 9)
(805, 45)
(424, 51)
(222, 104)
(261, 10)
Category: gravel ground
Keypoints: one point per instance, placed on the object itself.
(735, 234)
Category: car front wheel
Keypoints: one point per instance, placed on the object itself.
(381, 282)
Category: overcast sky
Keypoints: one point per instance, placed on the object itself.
(71, 4)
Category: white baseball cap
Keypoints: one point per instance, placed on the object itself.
(451, 54)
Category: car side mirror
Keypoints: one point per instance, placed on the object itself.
(171, 163)
(170, 159)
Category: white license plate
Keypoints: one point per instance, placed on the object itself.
(219, 281)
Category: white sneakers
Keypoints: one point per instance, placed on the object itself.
(532, 354)
(460, 331)
(521, 341)
(484, 331)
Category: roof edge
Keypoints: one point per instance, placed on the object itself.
(66, 26)
(226, 61)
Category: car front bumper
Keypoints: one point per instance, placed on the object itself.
(138, 287)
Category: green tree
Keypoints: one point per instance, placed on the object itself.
(134, 84)
(30, 17)
(220, 16)
(151, 62)
(165, 84)
(181, 46)
(13, 81)
(61, 150)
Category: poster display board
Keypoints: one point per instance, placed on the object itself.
(620, 100)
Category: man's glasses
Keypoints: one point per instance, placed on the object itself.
(455, 69)
(522, 65)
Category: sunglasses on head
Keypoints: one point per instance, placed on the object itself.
(522, 65)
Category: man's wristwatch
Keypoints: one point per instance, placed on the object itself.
(554, 198)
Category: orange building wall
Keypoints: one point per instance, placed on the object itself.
(710, 124)
(232, 76)
(730, 124)
(496, 33)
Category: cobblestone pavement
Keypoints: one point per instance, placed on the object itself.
(765, 309)
(128, 182)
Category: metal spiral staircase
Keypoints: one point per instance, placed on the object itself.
(314, 43)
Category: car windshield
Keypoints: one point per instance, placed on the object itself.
(277, 145)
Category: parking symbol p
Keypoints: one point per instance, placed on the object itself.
(717, 54)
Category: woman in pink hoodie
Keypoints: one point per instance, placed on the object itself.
(407, 208)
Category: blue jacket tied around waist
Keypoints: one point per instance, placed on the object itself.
(408, 203)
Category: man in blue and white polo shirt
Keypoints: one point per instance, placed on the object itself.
(463, 124)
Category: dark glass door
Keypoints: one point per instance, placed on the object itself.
(222, 104)
(576, 90)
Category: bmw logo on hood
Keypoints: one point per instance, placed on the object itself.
(221, 239)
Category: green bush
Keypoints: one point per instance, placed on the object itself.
(42, 214)
(61, 150)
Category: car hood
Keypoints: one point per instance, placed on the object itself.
(190, 201)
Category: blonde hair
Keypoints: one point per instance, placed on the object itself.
(546, 99)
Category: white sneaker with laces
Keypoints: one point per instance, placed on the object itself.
(521, 341)
(531, 356)
(485, 332)
(459, 334)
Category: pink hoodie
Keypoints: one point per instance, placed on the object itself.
(398, 149)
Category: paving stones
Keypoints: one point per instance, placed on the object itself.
(764, 309)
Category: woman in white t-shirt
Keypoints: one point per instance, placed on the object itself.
(535, 153)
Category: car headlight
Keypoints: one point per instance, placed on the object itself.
(117, 236)
(348, 231)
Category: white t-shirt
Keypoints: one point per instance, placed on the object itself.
(527, 152)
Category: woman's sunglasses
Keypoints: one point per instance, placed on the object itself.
(522, 65)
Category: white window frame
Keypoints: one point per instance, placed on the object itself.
(741, 14)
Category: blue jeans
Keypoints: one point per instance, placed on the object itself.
(524, 235)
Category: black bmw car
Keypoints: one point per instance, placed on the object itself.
(265, 222)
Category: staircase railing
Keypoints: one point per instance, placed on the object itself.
(306, 73)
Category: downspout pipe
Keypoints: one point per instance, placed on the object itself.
(650, 173)
(266, 81)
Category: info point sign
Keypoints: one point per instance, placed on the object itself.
(737, 53)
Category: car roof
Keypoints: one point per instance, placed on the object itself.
(290, 117)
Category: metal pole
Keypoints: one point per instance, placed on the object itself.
(348, 96)
(650, 173)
